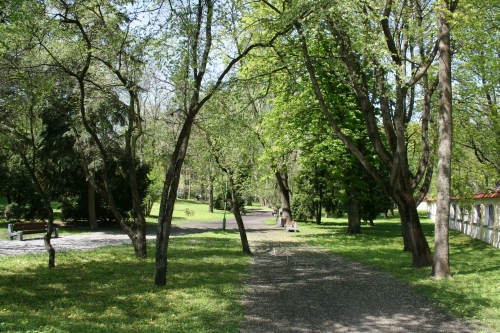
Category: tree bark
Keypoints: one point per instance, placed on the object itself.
(210, 193)
(353, 221)
(441, 265)
(91, 206)
(239, 220)
(282, 179)
(134, 124)
(319, 207)
(168, 197)
(413, 234)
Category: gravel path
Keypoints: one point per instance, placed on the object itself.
(295, 287)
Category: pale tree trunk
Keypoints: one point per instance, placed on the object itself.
(441, 265)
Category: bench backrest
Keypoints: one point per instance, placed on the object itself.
(42, 226)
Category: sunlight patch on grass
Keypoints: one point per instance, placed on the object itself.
(109, 290)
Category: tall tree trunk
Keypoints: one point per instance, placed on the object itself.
(91, 206)
(441, 265)
(318, 213)
(399, 184)
(319, 207)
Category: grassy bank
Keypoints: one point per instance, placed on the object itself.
(472, 294)
(109, 290)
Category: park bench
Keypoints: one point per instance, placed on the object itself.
(20, 228)
(280, 221)
(291, 226)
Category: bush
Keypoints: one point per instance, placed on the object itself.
(219, 203)
(13, 211)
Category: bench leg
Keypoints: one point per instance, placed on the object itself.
(10, 231)
(56, 232)
(20, 235)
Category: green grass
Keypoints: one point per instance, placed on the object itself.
(109, 290)
(472, 294)
(198, 209)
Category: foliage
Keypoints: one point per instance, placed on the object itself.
(219, 203)
(476, 118)
(75, 199)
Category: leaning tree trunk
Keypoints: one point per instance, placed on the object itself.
(239, 220)
(412, 230)
(168, 197)
(46, 203)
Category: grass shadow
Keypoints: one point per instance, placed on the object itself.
(110, 290)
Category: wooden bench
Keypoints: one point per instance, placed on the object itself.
(291, 226)
(20, 228)
(280, 221)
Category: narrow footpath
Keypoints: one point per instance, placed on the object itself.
(296, 287)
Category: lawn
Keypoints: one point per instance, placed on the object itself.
(184, 211)
(109, 290)
(472, 294)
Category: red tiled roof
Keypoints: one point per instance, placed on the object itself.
(487, 195)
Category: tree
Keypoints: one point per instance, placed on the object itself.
(199, 27)
(89, 33)
(20, 131)
(441, 265)
(385, 95)
(475, 92)
(230, 144)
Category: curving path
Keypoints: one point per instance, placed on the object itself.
(295, 287)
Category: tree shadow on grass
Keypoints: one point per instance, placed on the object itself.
(109, 290)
